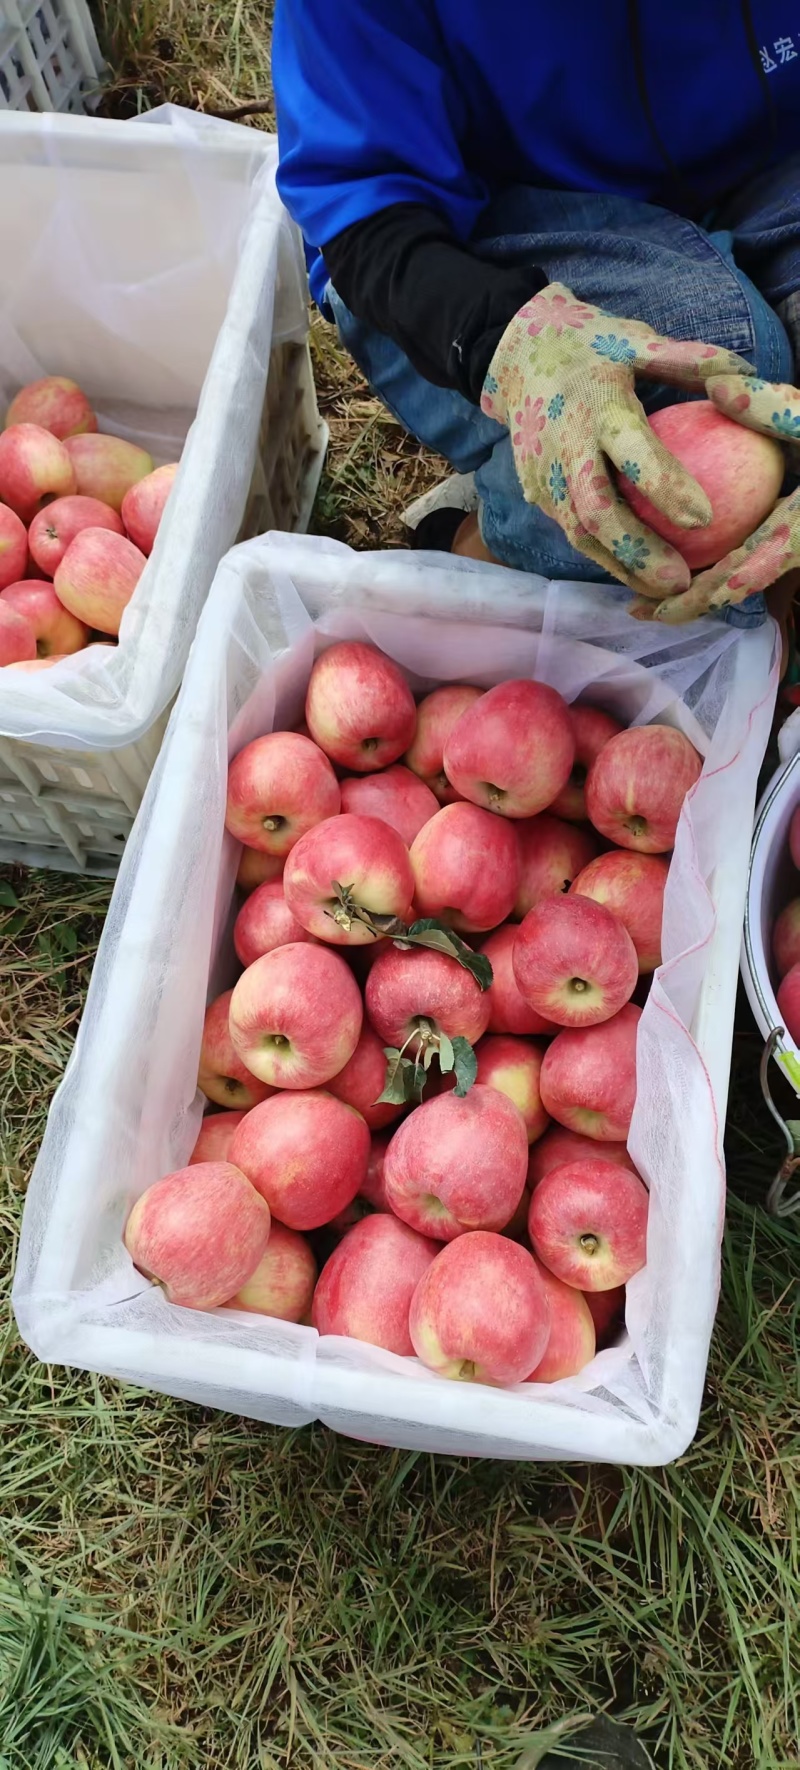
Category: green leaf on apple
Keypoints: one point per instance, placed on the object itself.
(394, 1087)
(439, 939)
(447, 1056)
(465, 1064)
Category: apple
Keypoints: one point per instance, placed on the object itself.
(588, 1223)
(466, 868)
(591, 729)
(436, 716)
(56, 631)
(794, 837)
(363, 1079)
(571, 1345)
(786, 938)
(33, 465)
(283, 1282)
(56, 404)
(17, 638)
(481, 1313)
(264, 922)
(200, 1232)
(588, 1078)
(574, 961)
(279, 786)
(514, 1067)
(256, 868)
(214, 1137)
(636, 788)
(295, 1017)
(97, 577)
(58, 523)
(632, 885)
(143, 505)
(457, 1164)
(552, 853)
(788, 999)
(222, 1077)
(361, 854)
(306, 1153)
(105, 467)
(512, 750)
(416, 989)
(508, 1010)
(373, 1187)
(607, 1309)
(13, 547)
(397, 796)
(559, 1147)
(365, 1289)
(740, 471)
(359, 707)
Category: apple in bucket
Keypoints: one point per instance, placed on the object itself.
(740, 472)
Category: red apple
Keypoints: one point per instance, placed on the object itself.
(571, 1345)
(306, 1153)
(360, 853)
(509, 1012)
(458, 1164)
(214, 1137)
(466, 868)
(588, 1224)
(373, 1188)
(33, 465)
(283, 1282)
(256, 868)
(200, 1232)
(591, 729)
(105, 467)
(481, 1313)
(57, 632)
(223, 1078)
(560, 1147)
(17, 638)
(365, 1288)
(636, 788)
(13, 547)
(607, 1309)
(632, 885)
(264, 922)
(740, 472)
(786, 938)
(54, 527)
(512, 751)
(363, 1079)
(97, 577)
(359, 707)
(574, 961)
(295, 1017)
(279, 786)
(413, 989)
(794, 837)
(588, 1078)
(436, 716)
(397, 796)
(788, 999)
(56, 404)
(514, 1067)
(143, 505)
(552, 854)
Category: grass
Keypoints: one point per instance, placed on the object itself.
(182, 1589)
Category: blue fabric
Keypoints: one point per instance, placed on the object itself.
(448, 102)
(639, 262)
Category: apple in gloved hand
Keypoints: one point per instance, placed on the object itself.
(740, 471)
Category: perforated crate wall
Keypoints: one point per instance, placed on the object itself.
(49, 56)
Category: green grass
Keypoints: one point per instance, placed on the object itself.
(181, 1589)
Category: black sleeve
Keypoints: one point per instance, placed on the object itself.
(403, 272)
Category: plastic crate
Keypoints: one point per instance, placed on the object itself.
(74, 761)
(49, 56)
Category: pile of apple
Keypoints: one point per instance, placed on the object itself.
(78, 517)
(431, 1049)
(786, 946)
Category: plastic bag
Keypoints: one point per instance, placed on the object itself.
(127, 1111)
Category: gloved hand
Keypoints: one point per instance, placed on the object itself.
(774, 547)
(562, 380)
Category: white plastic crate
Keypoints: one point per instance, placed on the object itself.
(154, 262)
(49, 56)
(127, 1110)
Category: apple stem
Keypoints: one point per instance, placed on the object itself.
(578, 985)
(273, 823)
(589, 1243)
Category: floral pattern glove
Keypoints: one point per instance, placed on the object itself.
(562, 380)
(774, 547)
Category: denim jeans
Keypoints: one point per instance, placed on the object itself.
(720, 283)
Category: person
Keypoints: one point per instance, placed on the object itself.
(523, 219)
